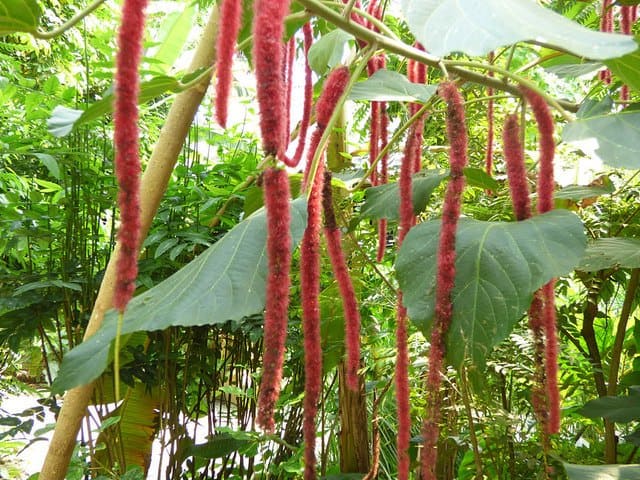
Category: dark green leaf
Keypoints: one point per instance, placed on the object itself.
(226, 282)
(612, 138)
(605, 253)
(383, 201)
(476, 28)
(617, 409)
(51, 163)
(327, 52)
(19, 16)
(580, 192)
(592, 107)
(63, 120)
(498, 268)
(387, 86)
(602, 472)
(477, 177)
(626, 68)
(219, 446)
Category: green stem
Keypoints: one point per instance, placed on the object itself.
(355, 75)
(69, 23)
(454, 67)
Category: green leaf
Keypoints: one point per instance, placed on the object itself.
(602, 472)
(498, 268)
(612, 138)
(388, 86)
(219, 446)
(627, 68)
(327, 52)
(476, 28)
(50, 162)
(580, 192)
(477, 177)
(173, 34)
(19, 16)
(617, 409)
(383, 201)
(615, 252)
(165, 246)
(593, 107)
(63, 120)
(226, 282)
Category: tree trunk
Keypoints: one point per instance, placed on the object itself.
(354, 431)
(152, 188)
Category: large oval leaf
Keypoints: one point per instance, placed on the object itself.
(605, 253)
(476, 27)
(617, 409)
(226, 282)
(19, 16)
(602, 472)
(383, 201)
(387, 86)
(626, 68)
(612, 138)
(498, 268)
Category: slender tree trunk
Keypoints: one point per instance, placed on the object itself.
(354, 431)
(154, 183)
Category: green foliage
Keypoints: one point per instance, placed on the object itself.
(388, 86)
(498, 268)
(494, 24)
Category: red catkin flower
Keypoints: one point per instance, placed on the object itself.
(289, 56)
(332, 90)
(490, 130)
(334, 87)
(127, 161)
(231, 16)
(402, 391)
(308, 97)
(606, 25)
(628, 15)
(516, 169)
(310, 293)
(276, 199)
(445, 280)
(268, 29)
(544, 119)
(347, 292)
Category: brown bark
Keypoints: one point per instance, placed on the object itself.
(153, 185)
(354, 432)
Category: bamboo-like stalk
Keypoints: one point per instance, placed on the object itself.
(153, 185)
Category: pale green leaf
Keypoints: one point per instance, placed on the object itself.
(383, 201)
(498, 268)
(173, 34)
(387, 86)
(612, 138)
(623, 409)
(327, 52)
(226, 282)
(602, 472)
(19, 16)
(477, 27)
(627, 68)
(616, 252)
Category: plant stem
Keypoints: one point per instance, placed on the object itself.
(69, 23)
(453, 67)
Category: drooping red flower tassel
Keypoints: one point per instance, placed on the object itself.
(490, 130)
(606, 25)
(516, 169)
(289, 57)
(308, 97)
(347, 292)
(628, 14)
(445, 280)
(276, 199)
(268, 29)
(230, 16)
(127, 160)
(310, 292)
(333, 89)
(546, 143)
(417, 73)
(402, 391)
